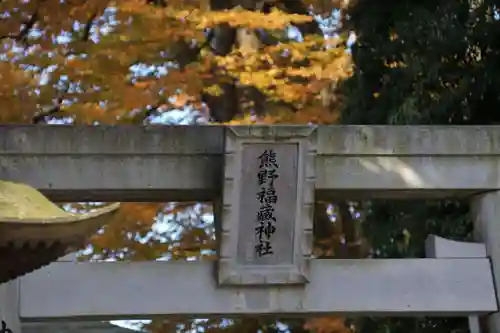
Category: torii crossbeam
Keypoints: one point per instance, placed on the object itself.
(250, 172)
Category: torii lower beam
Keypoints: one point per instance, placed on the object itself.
(106, 291)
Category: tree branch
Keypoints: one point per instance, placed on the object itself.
(159, 3)
(88, 27)
(351, 228)
(56, 108)
(297, 7)
(224, 107)
(28, 25)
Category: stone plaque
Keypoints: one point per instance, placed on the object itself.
(265, 217)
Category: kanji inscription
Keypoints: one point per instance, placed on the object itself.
(265, 215)
(267, 197)
(268, 201)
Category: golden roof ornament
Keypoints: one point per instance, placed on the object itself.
(35, 232)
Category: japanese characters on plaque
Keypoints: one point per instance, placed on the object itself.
(267, 196)
(265, 213)
(267, 204)
(5, 328)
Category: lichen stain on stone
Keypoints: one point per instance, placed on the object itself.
(20, 201)
(23, 203)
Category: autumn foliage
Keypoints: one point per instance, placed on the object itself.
(128, 61)
(111, 62)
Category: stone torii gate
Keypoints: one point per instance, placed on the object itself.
(263, 181)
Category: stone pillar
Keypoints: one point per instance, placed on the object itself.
(9, 307)
(486, 216)
(438, 247)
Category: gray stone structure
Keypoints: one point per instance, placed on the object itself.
(217, 163)
(267, 205)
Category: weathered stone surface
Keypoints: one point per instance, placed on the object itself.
(162, 163)
(282, 238)
(362, 287)
(265, 216)
(10, 307)
(439, 247)
(386, 140)
(185, 163)
(485, 210)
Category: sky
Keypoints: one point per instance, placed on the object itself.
(184, 117)
(180, 117)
